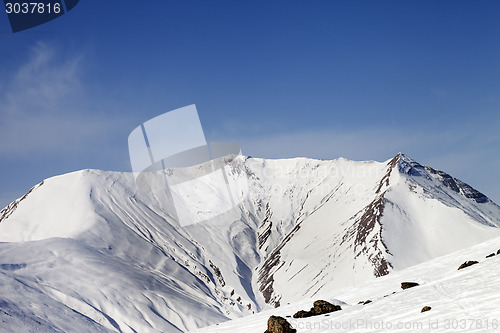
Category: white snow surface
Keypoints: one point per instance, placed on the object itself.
(463, 300)
(91, 251)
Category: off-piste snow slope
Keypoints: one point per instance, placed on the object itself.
(90, 251)
(463, 300)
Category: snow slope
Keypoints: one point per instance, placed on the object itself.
(92, 248)
(463, 300)
(359, 220)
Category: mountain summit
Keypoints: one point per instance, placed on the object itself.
(91, 248)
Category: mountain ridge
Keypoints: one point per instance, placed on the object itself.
(318, 225)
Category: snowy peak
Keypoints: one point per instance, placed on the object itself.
(373, 218)
(407, 165)
(347, 222)
(412, 168)
(306, 226)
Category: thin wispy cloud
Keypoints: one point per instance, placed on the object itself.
(44, 107)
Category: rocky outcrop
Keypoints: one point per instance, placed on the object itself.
(468, 263)
(319, 307)
(426, 308)
(302, 314)
(217, 273)
(322, 307)
(277, 324)
(7, 211)
(265, 228)
(270, 266)
(406, 285)
(458, 186)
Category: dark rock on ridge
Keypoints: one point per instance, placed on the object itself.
(468, 263)
(319, 307)
(406, 285)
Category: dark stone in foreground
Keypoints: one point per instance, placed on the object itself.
(406, 285)
(468, 263)
(498, 252)
(490, 255)
(302, 314)
(322, 307)
(319, 307)
(277, 324)
(426, 308)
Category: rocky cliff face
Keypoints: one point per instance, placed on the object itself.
(365, 219)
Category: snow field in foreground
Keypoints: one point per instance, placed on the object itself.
(463, 300)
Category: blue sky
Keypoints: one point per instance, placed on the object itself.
(321, 79)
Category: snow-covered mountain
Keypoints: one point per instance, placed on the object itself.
(92, 250)
(463, 300)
